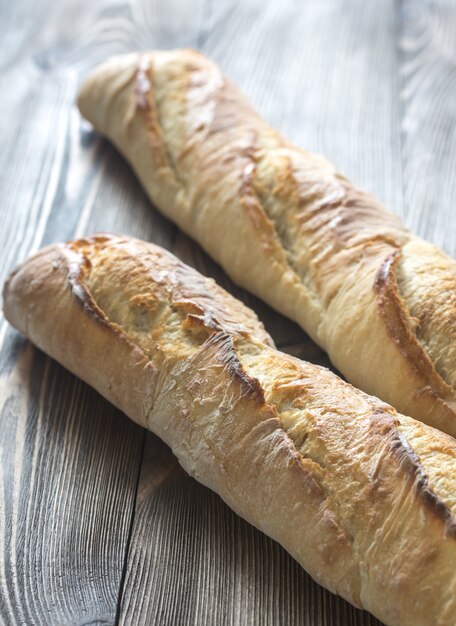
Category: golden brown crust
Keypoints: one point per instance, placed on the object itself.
(285, 225)
(426, 280)
(397, 321)
(411, 463)
(362, 497)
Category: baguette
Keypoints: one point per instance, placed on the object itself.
(287, 226)
(363, 498)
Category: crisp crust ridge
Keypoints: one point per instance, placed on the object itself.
(396, 320)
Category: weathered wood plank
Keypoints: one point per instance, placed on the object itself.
(69, 461)
(428, 97)
(326, 74)
(68, 470)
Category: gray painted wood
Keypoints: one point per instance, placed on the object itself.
(428, 102)
(94, 526)
(325, 72)
(68, 473)
(69, 461)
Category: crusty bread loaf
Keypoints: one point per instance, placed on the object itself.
(363, 498)
(285, 225)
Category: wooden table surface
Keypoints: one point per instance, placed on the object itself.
(98, 524)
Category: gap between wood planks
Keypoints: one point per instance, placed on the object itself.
(130, 532)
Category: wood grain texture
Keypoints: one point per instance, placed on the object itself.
(69, 462)
(371, 85)
(428, 101)
(68, 473)
(323, 72)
